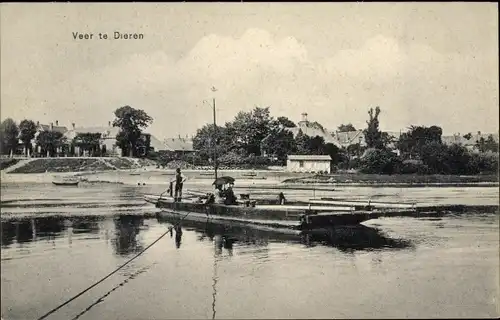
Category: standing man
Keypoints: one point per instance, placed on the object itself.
(179, 181)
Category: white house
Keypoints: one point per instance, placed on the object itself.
(309, 163)
(108, 137)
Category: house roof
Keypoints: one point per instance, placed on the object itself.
(45, 127)
(178, 144)
(312, 130)
(297, 157)
(350, 137)
(157, 144)
(106, 131)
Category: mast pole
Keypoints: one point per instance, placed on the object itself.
(215, 141)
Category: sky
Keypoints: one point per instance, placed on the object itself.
(422, 63)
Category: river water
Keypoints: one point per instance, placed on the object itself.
(57, 241)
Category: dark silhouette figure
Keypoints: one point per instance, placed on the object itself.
(178, 236)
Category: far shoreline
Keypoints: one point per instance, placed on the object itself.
(271, 178)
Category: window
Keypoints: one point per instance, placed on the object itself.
(301, 163)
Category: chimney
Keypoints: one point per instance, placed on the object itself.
(304, 116)
(109, 123)
(73, 125)
(38, 123)
(51, 126)
(57, 122)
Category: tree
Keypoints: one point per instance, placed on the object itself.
(346, 128)
(89, 142)
(381, 161)
(143, 145)
(250, 128)
(310, 145)
(410, 143)
(373, 135)
(468, 136)
(433, 154)
(27, 130)
(338, 155)
(489, 144)
(50, 141)
(131, 123)
(9, 136)
(285, 122)
(458, 160)
(316, 145)
(207, 140)
(279, 143)
(302, 143)
(354, 149)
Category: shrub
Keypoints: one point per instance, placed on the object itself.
(258, 160)
(413, 167)
(231, 158)
(459, 160)
(484, 162)
(380, 161)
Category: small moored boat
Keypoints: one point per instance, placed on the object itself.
(66, 181)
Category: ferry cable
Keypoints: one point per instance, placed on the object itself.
(113, 272)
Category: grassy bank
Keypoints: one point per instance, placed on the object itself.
(5, 163)
(393, 179)
(80, 164)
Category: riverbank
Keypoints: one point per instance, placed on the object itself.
(75, 164)
(133, 171)
(257, 179)
(403, 179)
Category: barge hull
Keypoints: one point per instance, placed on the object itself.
(268, 216)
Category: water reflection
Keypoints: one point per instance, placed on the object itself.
(127, 228)
(346, 239)
(178, 236)
(28, 230)
(86, 225)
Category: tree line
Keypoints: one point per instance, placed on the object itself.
(255, 138)
(130, 138)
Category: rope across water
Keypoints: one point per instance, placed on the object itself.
(111, 273)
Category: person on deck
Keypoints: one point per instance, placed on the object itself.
(218, 194)
(230, 196)
(179, 181)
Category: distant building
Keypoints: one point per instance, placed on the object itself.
(309, 163)
(108, 138)
(348, 138)
(45, 128)
(468, 143)
(156, 144)
(179, 144)
(312, 129)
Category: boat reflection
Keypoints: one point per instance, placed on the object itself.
(348, 238)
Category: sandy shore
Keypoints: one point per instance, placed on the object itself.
(143, 175)
(250, 178)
